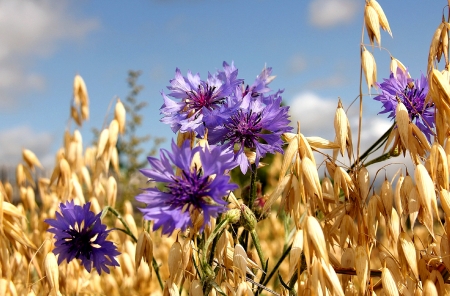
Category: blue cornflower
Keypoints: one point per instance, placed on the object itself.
(80, 234)
(199, 100)
(199, 188)
(412, 93)
(255, 125)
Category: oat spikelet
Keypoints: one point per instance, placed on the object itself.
(402, 118)
(102, 142)
(395, 64)
(435, 42)
(315, 235)
(52, 272)
(362, 268)
(381, 16)
(80, 95)
(144, 249)
(30, 158)
(429, 289)
(409, 251)
(371, 19)
(340, 127)
(389, 286)
(120, 116)
(369, 67)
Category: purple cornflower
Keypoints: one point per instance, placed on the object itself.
(80, 234)
(200, 187)
(412, 93)
(256, 126)
(199, 101)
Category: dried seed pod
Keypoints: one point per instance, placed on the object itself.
(120, 116)
(425, 187)
(369, 67)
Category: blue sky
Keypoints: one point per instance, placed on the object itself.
(312, 46)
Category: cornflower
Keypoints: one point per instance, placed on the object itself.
(412, 93)
(255, 125)
(200, 188)
(80, 234)
(200, 101)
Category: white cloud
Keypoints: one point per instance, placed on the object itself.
(30, 29)
(329, 13)
(335, 80)
(297, 63)
(315, 114)
(13, 140)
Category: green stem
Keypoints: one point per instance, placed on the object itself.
(275, 268)
(252, 187)
(219, 228)
(375, 146)
(128, 231)
(214, 243)
(255, 239)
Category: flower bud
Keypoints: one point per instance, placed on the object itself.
(233, 216)
(248, 219)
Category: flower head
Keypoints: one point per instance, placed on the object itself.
(412, 93)
(256, 126)
(199, 99)
(200, 187)
(80, 234)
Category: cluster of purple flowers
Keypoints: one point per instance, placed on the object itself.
(412, 93)
(233, 119)
(236, 116)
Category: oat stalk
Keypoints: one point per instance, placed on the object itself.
(131, 235)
